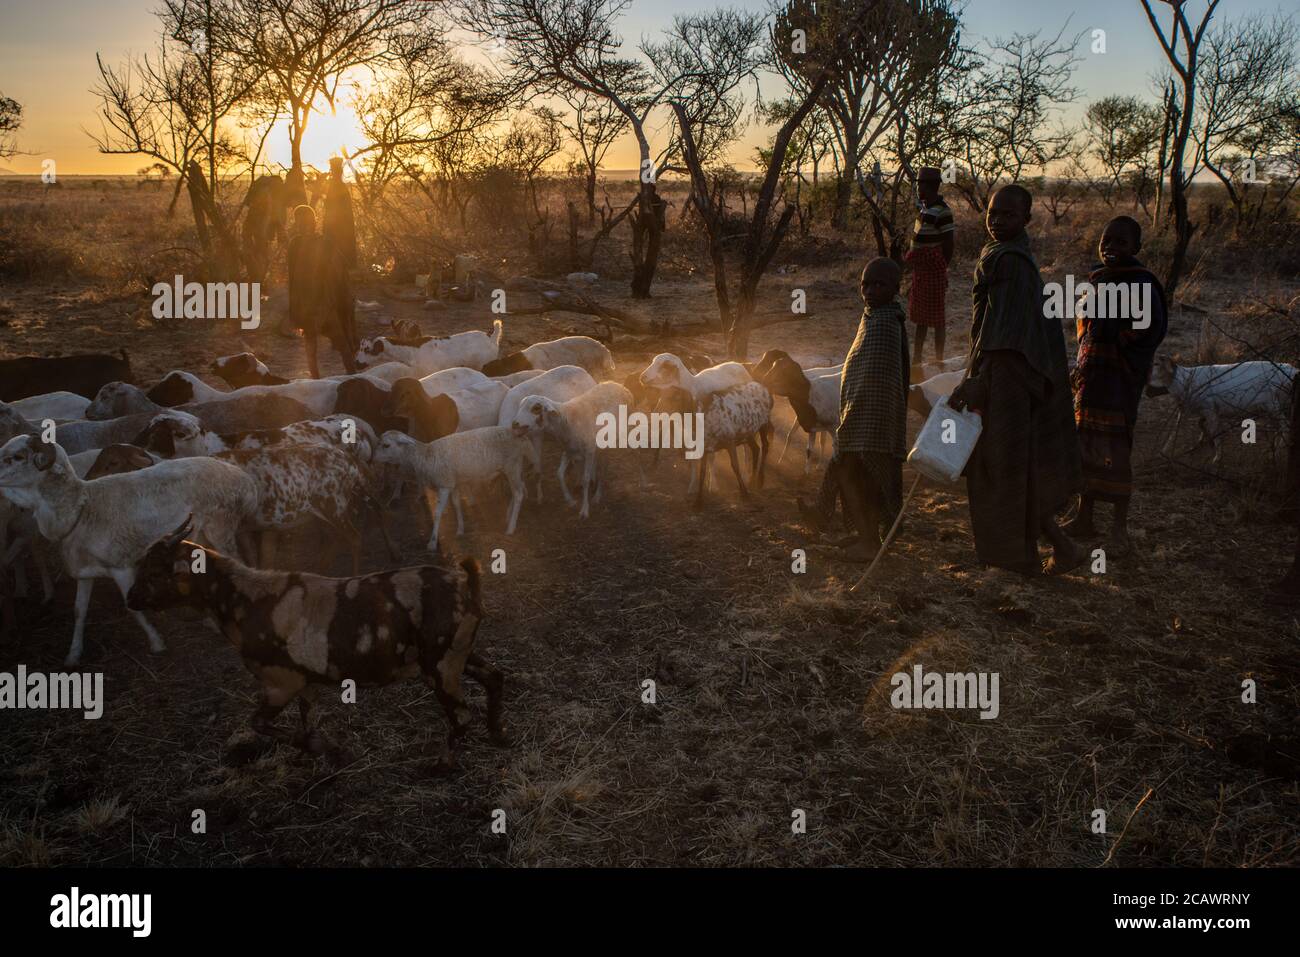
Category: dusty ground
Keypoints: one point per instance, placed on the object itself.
(772, 687)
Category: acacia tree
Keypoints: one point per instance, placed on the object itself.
(1123, 136)
(303, 48)
(550, 45)
(766, 227)
(1182, 46)
(899, 50)
(11, 118)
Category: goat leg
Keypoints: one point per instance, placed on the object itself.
(493, 682)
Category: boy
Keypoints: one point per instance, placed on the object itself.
(871, 440)
(1026, 465)
(1114, 362)
(931, 252)
(320, 294)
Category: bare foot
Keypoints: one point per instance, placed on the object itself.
(859, 551)
(1063, 562)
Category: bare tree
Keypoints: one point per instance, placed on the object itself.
(1004, 124)
(1248, 83)
(549, 45)
(594, 126)
(304, 47)
(766, 226)
(11, 118)
(1181, 45)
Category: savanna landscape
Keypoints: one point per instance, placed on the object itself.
(1121, 684)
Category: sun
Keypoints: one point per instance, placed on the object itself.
(329, 133)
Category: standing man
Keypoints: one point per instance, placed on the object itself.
(931, 252)
(339, 225)
(1026, 465)
(320, 293)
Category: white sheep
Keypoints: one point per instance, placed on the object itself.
(455, 461)
(59, 406)
(471, 349)
(573, 424)
(582, 351)
(666, 371)
(732, 417)
(1219, 393)
(103, 528)
(561, 384)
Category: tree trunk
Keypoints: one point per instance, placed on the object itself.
(647, 240)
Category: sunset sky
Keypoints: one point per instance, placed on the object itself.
(47, 63)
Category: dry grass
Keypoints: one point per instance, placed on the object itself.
(771, 688)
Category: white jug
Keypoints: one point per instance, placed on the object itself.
(945, 443)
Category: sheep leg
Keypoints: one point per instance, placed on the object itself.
(460, 516)
(588, 476)
(808, 454)
(1173, 436)
(700, 476)
(598, 471)
(765, 440)
(517, 492)
(84, 586)
(125, 578)
(537, 463)
(493, 682)
(735, 468)
(789, 432)
(443, 495)
(564, 486)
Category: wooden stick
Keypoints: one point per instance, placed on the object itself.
(888, 538)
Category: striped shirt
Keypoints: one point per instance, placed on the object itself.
(932, 224)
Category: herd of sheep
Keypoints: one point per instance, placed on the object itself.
(180, 492)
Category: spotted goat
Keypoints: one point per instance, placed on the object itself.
(296, 632)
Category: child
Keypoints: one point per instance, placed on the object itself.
(320, 294)
(1114, 362)
(871, 440)
(931, 252)
(1025, 467)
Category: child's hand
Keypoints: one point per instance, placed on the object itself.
(972, 393)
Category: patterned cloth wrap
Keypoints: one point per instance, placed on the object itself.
(925, 301)
(1114, 361)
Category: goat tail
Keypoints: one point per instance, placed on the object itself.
(474, 582)
(498, 332)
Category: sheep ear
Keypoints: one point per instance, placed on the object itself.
(43, 456)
